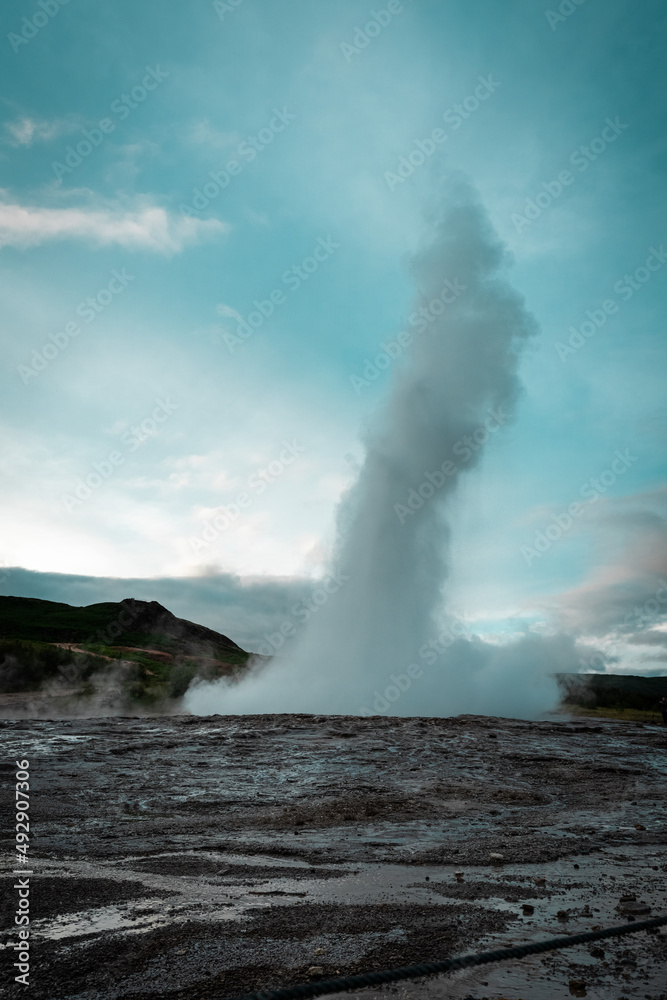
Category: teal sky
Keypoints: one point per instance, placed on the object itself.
(114, 119)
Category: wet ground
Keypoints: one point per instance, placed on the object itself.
(196, 858)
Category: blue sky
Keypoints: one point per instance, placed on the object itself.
(154, 394)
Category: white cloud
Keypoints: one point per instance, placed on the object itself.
(147, 227)
(228, 312)
(203, 133)
(626, 593)
(25, 131)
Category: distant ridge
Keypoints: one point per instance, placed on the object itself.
(119, 654)
(618, 691)
(128, 622)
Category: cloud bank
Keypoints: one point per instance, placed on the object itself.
(145, 228)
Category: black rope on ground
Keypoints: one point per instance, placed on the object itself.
(448, 964)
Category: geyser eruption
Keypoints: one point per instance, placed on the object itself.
(456, 388)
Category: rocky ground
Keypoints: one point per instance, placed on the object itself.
(197, 858)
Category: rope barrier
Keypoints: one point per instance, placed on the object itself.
(449, 964)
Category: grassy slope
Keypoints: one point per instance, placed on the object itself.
(618, 714)
(29, 659)
(612, 692)
(29, 618)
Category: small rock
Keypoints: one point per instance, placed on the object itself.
(496, 858)
(576, 866)
(638, 826)
(596, 953)
(319, 951)
(458, 875)
(563, 915)
(180, 951)
(628, 897)
(315, 970)
(577, 987)
(540, 880)
(528, 910)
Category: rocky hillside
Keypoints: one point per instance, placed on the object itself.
(132, 651)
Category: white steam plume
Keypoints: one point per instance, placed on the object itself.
(459, 383)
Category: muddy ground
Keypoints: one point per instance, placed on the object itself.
(196, 858)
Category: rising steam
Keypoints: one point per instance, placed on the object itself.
(374, 646)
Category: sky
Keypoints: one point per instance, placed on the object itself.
(209, 214)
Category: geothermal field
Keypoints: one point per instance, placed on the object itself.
(194, 858)
(333, 571)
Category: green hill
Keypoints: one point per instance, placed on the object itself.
(612, 691)
(149, 653)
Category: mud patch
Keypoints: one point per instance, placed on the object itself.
(204, 858)
(53, 897)
(233, 873)
(484, 890)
